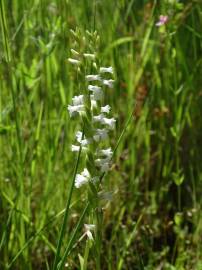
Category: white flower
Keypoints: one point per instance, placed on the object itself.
(85, 142)
(74, 61)
(78, 100)
(82, 179)
(103, 164)
(77, 107)
(108, 83)
(97, 92)
(79, 136)
(98, 118)
(94, 88)
(76, 148)
(88, 229)
(93, 77)
(106, 70)
(100, 134)
(73, 110)
(82, 141)
(89, 56)
(106, 121)
(105, 109)
(86, 173)
(106, 152)
(110, 122)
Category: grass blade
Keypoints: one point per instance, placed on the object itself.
(72, 239)
(62, 231)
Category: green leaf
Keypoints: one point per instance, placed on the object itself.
(178, 178)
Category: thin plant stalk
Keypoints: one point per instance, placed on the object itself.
(30, 240)
(86, 254)
(12, 81)
(72, 239)
(62, 231)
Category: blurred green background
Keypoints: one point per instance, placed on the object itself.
(154, 220)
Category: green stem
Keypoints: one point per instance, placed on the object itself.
(62, 231)
(72, 239)
(29, 241)
(86, 254)
(4, 31)
(123, 131)
(98, 238)
(12, 84)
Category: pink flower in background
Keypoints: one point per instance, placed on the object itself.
(162, 20)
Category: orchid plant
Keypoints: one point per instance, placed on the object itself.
(91, 142)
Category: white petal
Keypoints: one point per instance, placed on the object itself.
(93, 77)
(108, 83)
(110, 122)
(73, 110)
(78, 100)
(100, 134)
(105, 109)
(85, 142)
(89, 228)
(105, 167)
(94, 88)
(106, 70)
(96, 138)
(86, 173)
(98, 118)
(74, 61)
(89, 56)
(97, 94)
(80, 180)
(89, 235)
(106, 152)
(79, 136)
(103, 164)
(75, 148)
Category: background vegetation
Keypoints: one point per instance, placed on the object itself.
(154, 220)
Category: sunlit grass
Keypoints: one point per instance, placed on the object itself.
(154, 219)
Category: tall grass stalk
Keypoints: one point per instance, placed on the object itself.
(66, 214)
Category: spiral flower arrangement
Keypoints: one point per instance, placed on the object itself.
(95, 117)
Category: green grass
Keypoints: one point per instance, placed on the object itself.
(154, 220)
